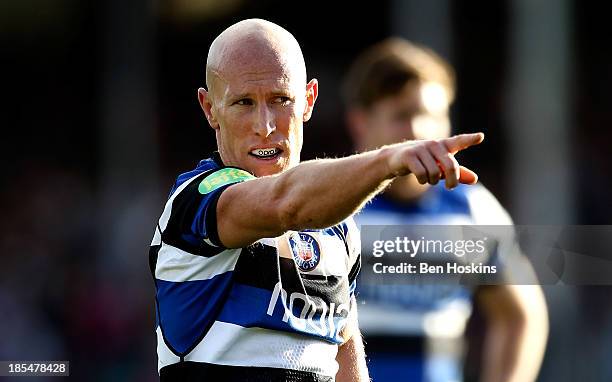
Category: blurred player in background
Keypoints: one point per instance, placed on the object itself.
(398, 91)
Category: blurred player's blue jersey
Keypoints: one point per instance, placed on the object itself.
(270, 311)
(429, 310)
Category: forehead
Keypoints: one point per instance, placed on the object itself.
(257, 77)
(252, 69)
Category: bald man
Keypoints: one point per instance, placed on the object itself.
(255, 255)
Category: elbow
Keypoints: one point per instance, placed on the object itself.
(288, 215)
(293, 217)
(533, 313)
(285, 206)
(530, 315)
(289, 206)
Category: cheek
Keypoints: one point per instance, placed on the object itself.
(404, 130)
(387, 132)
(231, 132)
(296, 132)
(287, 119)
(237, 123)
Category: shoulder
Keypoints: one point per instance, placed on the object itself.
(485, 208)
(211, 175)
(205, 165)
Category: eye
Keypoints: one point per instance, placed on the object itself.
(283, 100)
(244, 102)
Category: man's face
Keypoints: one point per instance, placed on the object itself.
(258, 111)
(418, 111)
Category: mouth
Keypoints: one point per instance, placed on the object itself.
(266, 153)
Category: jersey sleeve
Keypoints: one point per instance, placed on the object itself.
(192, 222)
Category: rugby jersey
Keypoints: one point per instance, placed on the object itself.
(424, 312)
(274, 310)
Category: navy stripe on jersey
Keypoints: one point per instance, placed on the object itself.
(255, 307)
(200, 371)
(354, 272)
(193, 218)
(188, 309)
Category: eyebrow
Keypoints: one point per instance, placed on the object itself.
(240, 96)
(277, 92)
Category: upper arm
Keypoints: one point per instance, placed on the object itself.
(249, 211)
(222, 208)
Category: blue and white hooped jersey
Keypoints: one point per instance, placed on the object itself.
(279, 304)
(411, 309)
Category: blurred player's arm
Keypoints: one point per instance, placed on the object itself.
(517, 330)
(351, 355)
(321, 193)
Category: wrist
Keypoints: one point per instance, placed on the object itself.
(385, 156)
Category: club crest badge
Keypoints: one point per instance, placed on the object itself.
(305, 250)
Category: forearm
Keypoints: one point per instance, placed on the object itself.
(515, 342)
(500, 351)
(321, 193)
(351, 358)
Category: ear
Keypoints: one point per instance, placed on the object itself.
(206, 104)
(312, 91)
(356, 121)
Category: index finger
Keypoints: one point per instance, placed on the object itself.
(462, 141)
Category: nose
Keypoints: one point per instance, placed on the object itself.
(265, 124)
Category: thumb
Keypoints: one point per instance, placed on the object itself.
(467, 176)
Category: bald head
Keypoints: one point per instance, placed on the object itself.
(254, 42)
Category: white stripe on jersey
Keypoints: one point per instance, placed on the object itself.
(176, 265)
(230, 344)
(165, 356)
(157, 240)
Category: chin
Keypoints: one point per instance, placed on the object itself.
(267, 170)
(270, 168)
